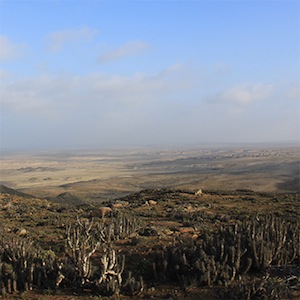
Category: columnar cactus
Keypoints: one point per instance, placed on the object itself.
(83, 240)
(221, 257)
(111, 271)
(82, 245)
(25, 266)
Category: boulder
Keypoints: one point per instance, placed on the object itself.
(199, 192)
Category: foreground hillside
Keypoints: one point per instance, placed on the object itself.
(162, 244)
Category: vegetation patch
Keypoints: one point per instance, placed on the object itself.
(155, 243)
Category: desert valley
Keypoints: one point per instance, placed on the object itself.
(198, 223)
(99, 175)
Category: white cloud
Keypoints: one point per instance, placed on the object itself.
(247, 93)
(69, 94)
(128, 49)
(140, 109)
(57, 39)
(9, 50)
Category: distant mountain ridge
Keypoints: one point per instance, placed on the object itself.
(66, 197)
(6, 190)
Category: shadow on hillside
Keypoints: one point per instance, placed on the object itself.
(292, 184)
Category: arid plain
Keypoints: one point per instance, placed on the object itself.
(95, 175)
(237, 238)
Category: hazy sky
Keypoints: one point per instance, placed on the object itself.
(133, 73)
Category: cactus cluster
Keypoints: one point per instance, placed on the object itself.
(118, 228)
(25, 266)
(222, 257)
(91, 261)
(262, 288)
(81, 245)
(84, 238)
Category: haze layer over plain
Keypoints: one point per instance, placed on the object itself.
(101, 175)
(123, 73)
